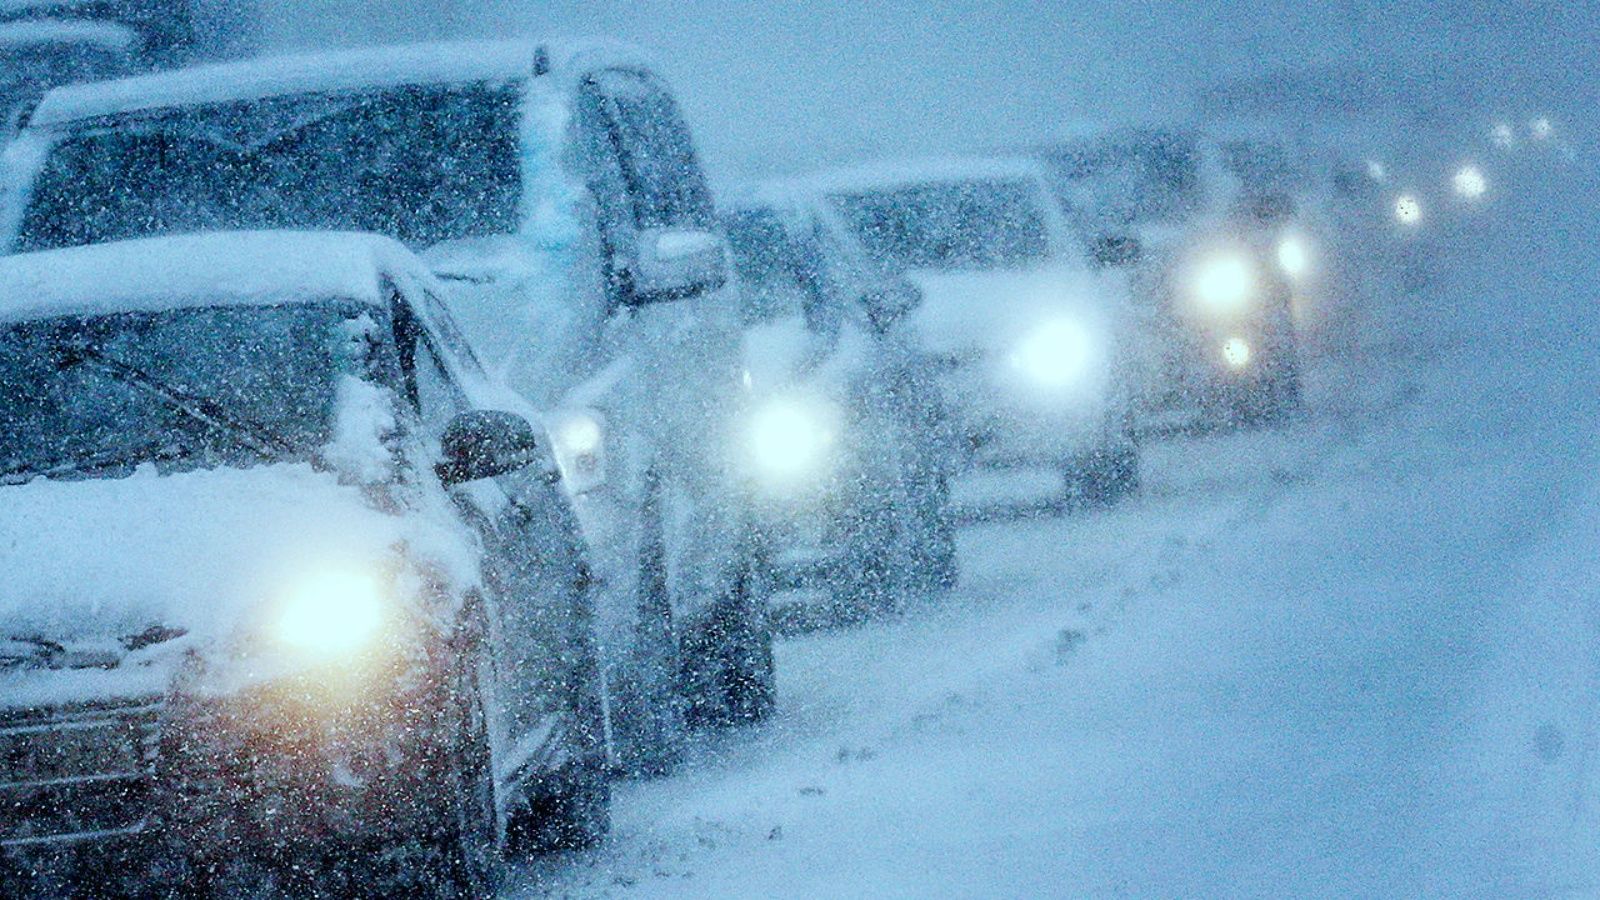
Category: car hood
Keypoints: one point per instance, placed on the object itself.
(97, 561)
(783, 356)
(967, 314)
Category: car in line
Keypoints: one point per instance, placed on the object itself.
(1212, 232)
(847, 450)
(293, 599)
(555, 189)
(1041, 361)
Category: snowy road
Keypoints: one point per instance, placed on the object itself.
(1275, 673)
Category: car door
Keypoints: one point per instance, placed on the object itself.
(534, 571)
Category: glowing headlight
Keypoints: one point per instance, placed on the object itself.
(1225, 284)
(1470, 182)
(1407, 210)
(332, 614)
(1056, 355)
(579, 435)
(1503, 135)
(1293, 256)
(1236, 352)
(1541, 129)
(788, 439)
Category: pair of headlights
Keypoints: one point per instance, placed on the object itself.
(1226, 284)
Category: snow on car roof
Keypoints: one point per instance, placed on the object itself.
(347, 70)
(106, 35)
(220, 268)
(906, 173)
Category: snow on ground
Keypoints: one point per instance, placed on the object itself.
(1301, 664)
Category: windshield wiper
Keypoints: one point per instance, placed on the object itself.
(207, 412)
(155, 451)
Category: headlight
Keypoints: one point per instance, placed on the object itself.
(1294, 257)
(788, 439)
(1236, 352)
(1407, 210)
(1470, 182)
(332, 614)
(578, 437)
(1056, 355)
(1225, 284)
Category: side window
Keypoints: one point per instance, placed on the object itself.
(665, 185)
(427, 383)
(450, 336)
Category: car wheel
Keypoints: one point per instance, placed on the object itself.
(467, 852)
(647, 712)
(570, 810)
(932, 567)
(729, 673)
(1106, 476)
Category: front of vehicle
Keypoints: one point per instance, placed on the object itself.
(823, 459)
(230, 597)
(1036, 348)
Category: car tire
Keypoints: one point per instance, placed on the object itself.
(570, 810)
(647, 711)
(730, 674)
(1106, 476)
(467, 855)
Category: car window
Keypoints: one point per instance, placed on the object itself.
(423, 164)
(975, 223)
(665, 185)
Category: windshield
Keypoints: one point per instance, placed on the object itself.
(422, 164)
(781, 276)
(192, 388)
(977, 224)
(1148, 177)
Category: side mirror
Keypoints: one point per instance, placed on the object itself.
(483, 444)
(1116, 251)
(678, 263)
(889, 304)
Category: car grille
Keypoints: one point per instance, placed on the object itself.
(75, 774)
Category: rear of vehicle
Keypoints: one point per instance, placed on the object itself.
(265, 628)
(844, 452)
(1040, 356)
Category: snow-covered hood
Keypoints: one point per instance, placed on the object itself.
(784, 356)
(971, 314)
(206, 552)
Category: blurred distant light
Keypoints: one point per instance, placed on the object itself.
(1541, 129)
(1377, 171)
(1294, 256)
(1407, 210)
(1470, 182)
(1503, 135)
(1236, 352)
(1056, 355)
(1224, 284)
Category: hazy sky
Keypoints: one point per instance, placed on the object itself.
(784, 86)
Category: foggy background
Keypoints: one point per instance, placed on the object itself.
(778, 87)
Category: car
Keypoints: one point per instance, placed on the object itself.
(847, 447)
(1221, 255)
(554, 188)
(292, 591)
(1040, 357)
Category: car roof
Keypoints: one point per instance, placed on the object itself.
(911, 172)
(105, 35)
(244, 268)
(368, 68)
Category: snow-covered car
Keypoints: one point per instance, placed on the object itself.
(290, 588)
(1040, 355)
(1211, 231)
(845, 451)
(556, 191)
